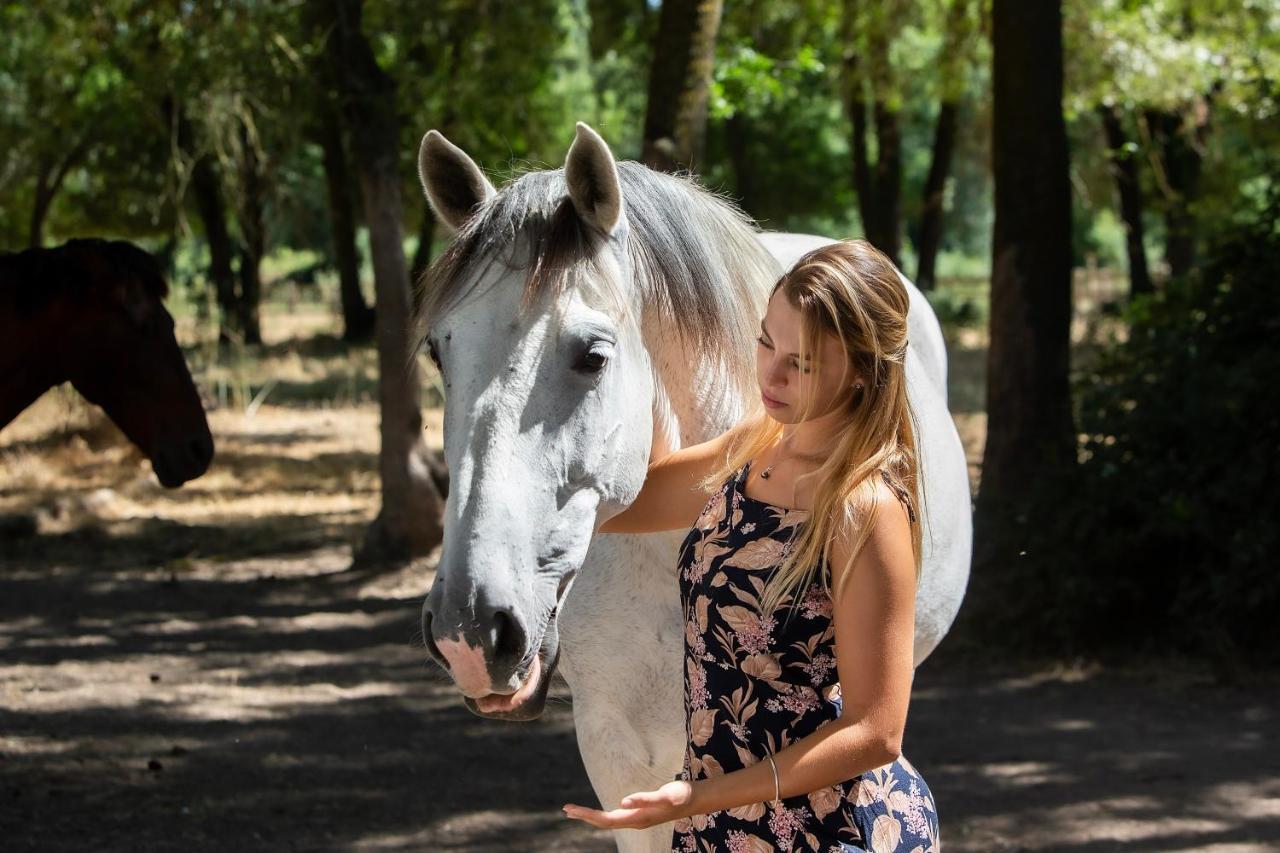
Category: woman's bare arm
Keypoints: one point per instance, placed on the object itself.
(670, 498)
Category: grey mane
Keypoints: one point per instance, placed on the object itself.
(694, 255)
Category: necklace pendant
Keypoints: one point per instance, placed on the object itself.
(764, 475)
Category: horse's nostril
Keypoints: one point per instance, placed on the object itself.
(506, 637)
(430, 643)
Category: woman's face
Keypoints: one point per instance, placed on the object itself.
(784, 381)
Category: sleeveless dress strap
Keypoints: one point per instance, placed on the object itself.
(901, 493)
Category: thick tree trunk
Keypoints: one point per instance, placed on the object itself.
(675, 123)
(253, 240)
(935, 186)
(409, 522)
(1030, 435)
(1124, 167)
(357, 316)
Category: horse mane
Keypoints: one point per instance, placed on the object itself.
(694, 255)
(42, 275)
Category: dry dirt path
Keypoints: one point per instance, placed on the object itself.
(279, 702)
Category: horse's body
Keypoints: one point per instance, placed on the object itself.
(542, 445)
(90, 312)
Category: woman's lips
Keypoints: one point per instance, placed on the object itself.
(500, 702)
(770, 402)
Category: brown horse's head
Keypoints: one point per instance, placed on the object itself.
(120, 353)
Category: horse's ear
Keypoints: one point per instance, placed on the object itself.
(454, 184)
(592, 176)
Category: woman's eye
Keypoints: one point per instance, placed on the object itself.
(763, 342)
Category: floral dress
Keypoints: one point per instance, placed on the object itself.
(755, 684)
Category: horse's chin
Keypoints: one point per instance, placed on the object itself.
(527, 702)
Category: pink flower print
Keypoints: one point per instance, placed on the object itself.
(740, 842)
(748, 527)
(697, 568)
(753, 635)
(785, 823)
(699, 696)
(712, 513)
(804, 699)
(816, 602)
(818, 668)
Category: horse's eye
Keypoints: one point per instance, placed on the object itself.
(592, 361)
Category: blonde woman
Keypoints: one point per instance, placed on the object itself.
(798, 583)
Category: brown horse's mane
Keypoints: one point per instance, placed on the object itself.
(40, 275)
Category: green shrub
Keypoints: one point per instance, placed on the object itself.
(1166, 537)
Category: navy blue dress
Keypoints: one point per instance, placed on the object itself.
(755, 684)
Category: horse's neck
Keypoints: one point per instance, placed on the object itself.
(28, 364)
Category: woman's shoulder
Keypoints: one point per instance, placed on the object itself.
(889, 532)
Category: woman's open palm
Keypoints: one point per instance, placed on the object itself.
(640, 810)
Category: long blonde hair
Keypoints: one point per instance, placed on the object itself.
(851, 290)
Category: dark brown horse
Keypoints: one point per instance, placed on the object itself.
(90, 312)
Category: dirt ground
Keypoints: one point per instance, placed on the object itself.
(198, 670)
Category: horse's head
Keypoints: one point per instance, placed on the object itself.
(126, 359)
(548, 411)
(555, 317)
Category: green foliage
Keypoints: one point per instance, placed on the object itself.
(1164, 537)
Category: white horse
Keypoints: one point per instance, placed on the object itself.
(587, 320)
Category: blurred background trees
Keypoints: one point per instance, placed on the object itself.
(267, 149)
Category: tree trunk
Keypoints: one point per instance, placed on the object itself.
(1030, 435)
(953, 64)
(206, 186)
(675, 123)
(935, 186)
(49, 177)
(1124, 167)
(737, 134)
(878, 184)
(409, 522)
(887, 236)
(422, 252)
(1178, 142)
(252, 238)
(357, 316)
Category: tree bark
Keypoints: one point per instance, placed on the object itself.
(675, 123)
(935, 186)
(206, 186)
(1030, 434)
(50, 174)
(1124, 168)
(252, 239)
(953, 63)
(879, 184)
(422, 252)
(357, 316)
(1178, 140)
(409, 521)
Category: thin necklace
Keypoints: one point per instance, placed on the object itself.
(764, 475)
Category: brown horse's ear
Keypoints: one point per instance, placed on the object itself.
(454, 184)
(592, 176)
